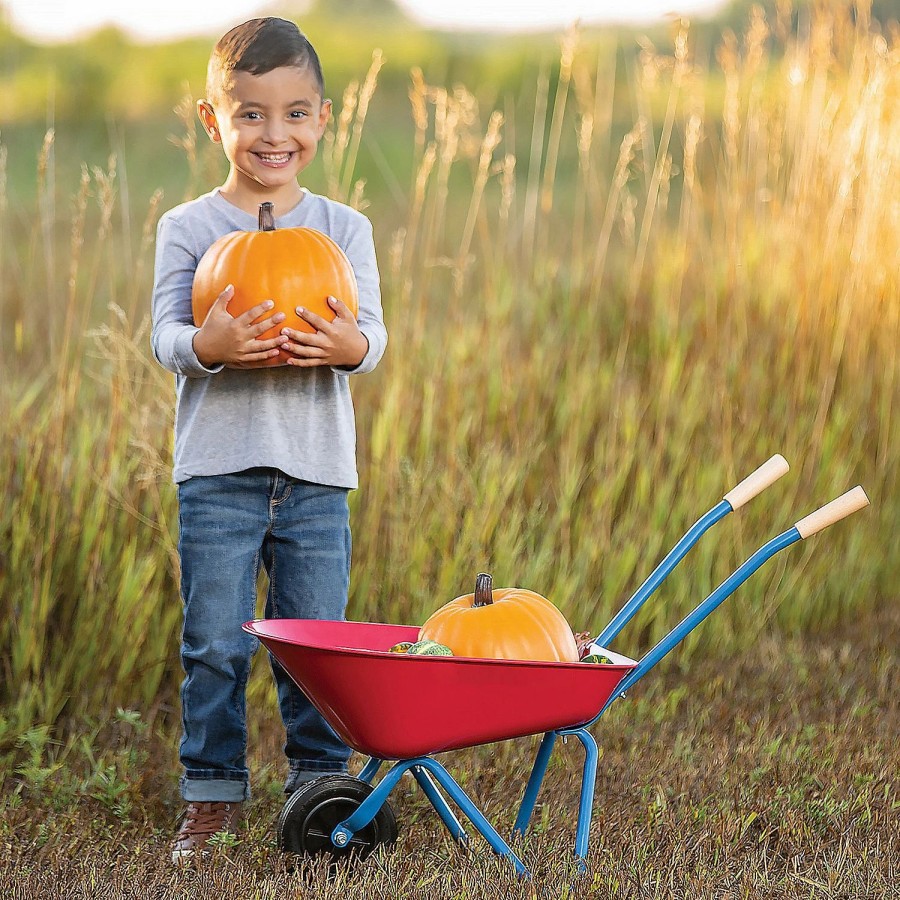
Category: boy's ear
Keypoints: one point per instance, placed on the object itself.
(324, 116)
(208, 118)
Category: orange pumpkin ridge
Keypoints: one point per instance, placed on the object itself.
(291, 266)
(506, 623)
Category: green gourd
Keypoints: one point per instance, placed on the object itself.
(429, 648)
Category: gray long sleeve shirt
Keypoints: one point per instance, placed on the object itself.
(298, 420)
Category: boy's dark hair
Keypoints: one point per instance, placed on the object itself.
(259, 46)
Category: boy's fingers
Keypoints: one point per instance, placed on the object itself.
(268, 323)
(317, 322)
(306, 352)
(341, 309)
(269, 343)
(305, 362)
(260, 355)
(252, 360)
(308, 338)
(256, 311)
(225, 296)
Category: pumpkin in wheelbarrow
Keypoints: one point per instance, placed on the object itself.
(502, 623)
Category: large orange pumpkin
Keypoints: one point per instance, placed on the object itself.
(507, 623)
(291, 266)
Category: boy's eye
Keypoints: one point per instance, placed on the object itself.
(299, 114)
(252, 115)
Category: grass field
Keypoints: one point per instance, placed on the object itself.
(609, 299)
(770, 774)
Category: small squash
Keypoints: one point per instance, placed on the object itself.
(506, 623)
(428, 648)
(291, 266)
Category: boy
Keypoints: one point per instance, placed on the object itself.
(264, 458)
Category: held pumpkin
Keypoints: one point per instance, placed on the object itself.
(507, 623)
(291, 266)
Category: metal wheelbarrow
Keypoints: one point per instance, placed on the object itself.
(406, 709)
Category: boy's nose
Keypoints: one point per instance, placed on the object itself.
(275, 133)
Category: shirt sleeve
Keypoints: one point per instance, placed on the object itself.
(360, 250)
(172, 329)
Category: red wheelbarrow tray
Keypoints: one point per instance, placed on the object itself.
(396, 706)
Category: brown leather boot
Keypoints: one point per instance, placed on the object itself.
(201, 821)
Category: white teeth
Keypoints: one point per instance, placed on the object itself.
(275, 157)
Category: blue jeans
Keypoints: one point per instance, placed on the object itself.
(230, 525)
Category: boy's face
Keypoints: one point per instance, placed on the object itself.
(269, 126)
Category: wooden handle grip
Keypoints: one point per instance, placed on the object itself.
(770, 471)
(830, 513)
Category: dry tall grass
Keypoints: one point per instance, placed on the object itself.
(589, 346)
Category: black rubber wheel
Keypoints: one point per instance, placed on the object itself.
(314, 810)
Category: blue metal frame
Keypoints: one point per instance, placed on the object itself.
(370, 770)
(429, 788)
(662, 571)
(538, 771)
(426, 765)
(426, 770)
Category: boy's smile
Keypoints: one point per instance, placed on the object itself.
(269, 126)
(276, 160)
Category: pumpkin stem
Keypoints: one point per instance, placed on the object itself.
(483, 590)
(267, 216)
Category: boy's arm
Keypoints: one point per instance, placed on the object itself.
(172, 332)
(360, 251)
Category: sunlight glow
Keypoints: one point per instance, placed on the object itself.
(60, 20)
(523, 15)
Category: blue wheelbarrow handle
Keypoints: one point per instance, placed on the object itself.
(769, 472)
(832, 512)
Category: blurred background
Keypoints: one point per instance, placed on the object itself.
(623, 263)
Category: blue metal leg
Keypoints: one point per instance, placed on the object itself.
(440, 804)
(588, 780)
(370, 769)
(367, 810)
(461, 799)
(529, 798)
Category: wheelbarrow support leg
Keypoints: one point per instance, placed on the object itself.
(440, 804)
(588, 780)
(538, 770)
(366, 811)
(370, 769)
(474, 814)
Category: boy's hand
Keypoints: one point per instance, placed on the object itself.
(226, 340)
(335, 343)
